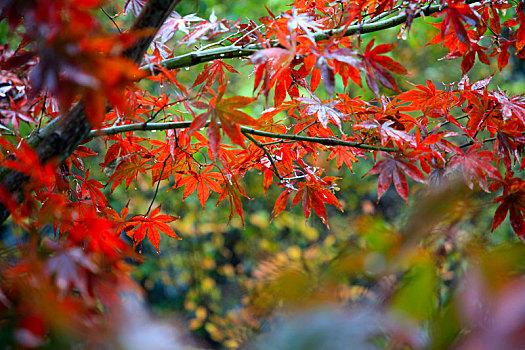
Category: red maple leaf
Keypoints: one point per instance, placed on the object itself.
(520, 32)
(274, 67)
(512, 202)
(27, 161)
(70, 268)
(212, 71)
(91, 188)
(345, 155)
(506, 146)
(280, 203)
(476, 166)
(457, 13)
(377, 67)
(233, 190)
(202, 182)
(134, 6)
(79, 153)
(14, 113)
(513, 106)
(206, 29)
(151, 226)
(128, 171)
(96, 234)
(324, 111)
(395, 168)
(225, 114)
(427, 99)
(315, 195)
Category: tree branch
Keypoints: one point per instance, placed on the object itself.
(245, 130)
(151, 18)
(234, 51)
(268, 155)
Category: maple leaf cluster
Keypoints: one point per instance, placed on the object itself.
(466, 131)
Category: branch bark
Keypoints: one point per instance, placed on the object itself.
(245, 130)
(62, 136)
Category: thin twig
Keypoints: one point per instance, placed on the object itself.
(470, 143)
(154, 115)
(485, 116)
(308, 126)
(158, 185)
(111, 19)
(218, 43)
(458, 118)
(281, 141)
(246, 34)
(276, 142)
(188, 153)
(270, 157)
